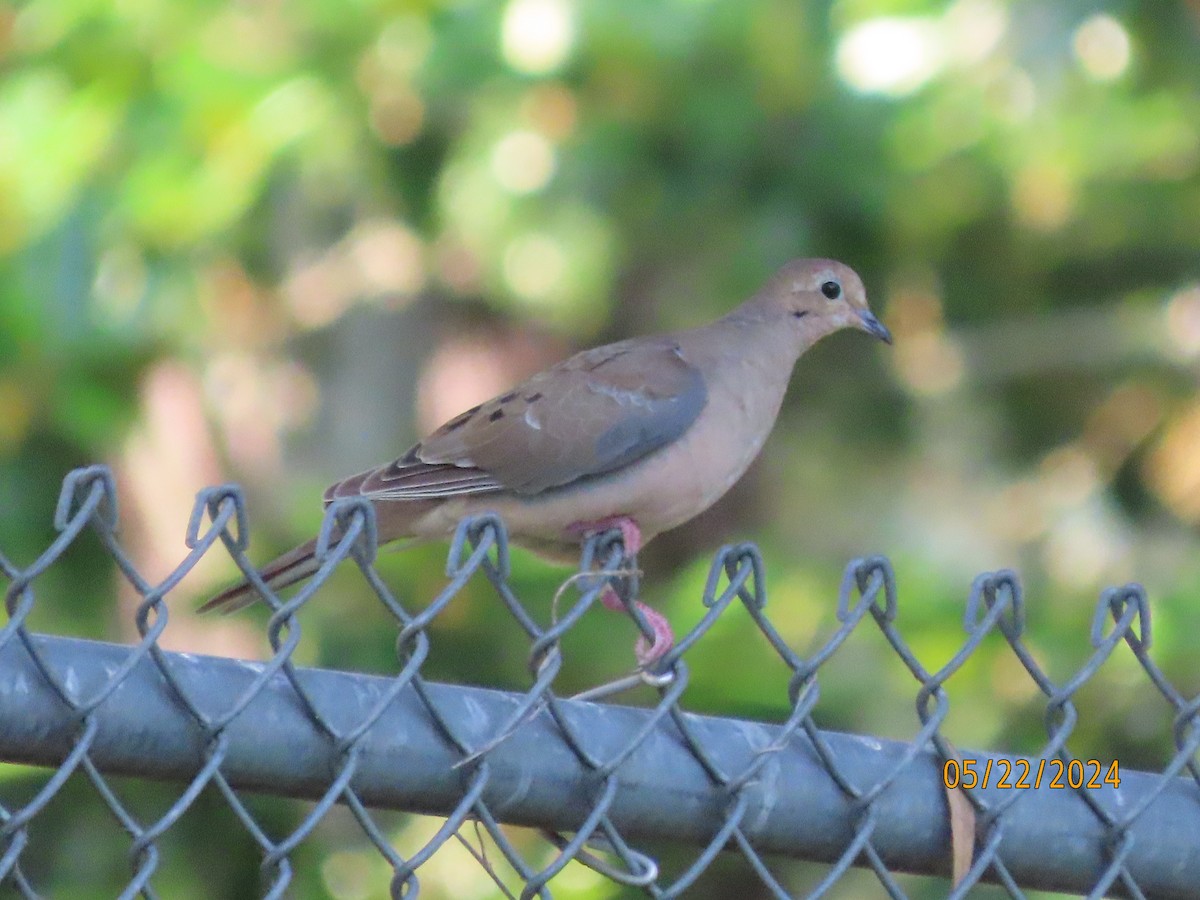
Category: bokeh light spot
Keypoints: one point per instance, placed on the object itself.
(534, 266)
(397, 115)
(1173, 468)
(930, 363)
(1014, 97)
(537, 35)
(890, 55)
(523, 162)
(1183, 323)
(1085, 548)
(974, 29)
(1043, 196)
(928, 360)
(120, 283)
(403, 45)
(1068, 477)
(551, 109)
(388, 257)
(1102, 45)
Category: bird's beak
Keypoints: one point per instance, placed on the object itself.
(872, 325)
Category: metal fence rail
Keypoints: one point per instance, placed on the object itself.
(600, 780)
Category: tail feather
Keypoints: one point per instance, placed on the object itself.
(295, 565)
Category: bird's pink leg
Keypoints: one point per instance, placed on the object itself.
(647, 652)
(631, 535)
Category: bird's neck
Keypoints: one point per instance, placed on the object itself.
(771, 341)
(750, 351)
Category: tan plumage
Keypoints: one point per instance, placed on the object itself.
(652, 429)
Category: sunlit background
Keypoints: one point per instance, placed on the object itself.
(275, 243)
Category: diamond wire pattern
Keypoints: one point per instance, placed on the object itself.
(480, 547)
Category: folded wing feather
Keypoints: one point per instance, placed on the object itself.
(590, 415)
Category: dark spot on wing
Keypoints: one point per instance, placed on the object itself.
(612, 355)
(496, 416)
(509, 397)
(534, 397)
(460, 420)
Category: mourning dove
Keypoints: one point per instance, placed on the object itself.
(640, 435)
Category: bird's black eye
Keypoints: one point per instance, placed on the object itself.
(831, 289)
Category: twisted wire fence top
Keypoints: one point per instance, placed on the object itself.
(608, 787)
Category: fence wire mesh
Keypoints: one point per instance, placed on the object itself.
(601, 782)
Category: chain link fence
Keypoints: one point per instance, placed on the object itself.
(600, 782)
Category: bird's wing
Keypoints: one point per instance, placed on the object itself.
(592, 414)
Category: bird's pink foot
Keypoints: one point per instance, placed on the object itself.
(631, 535)
(647, 652)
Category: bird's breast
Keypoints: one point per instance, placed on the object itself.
(706, 462)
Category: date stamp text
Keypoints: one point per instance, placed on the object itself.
(1020, 774)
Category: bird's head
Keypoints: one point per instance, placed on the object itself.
(817, 297)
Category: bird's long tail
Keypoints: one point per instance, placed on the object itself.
(295, 565)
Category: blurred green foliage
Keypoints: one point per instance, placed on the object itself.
(231, 236)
